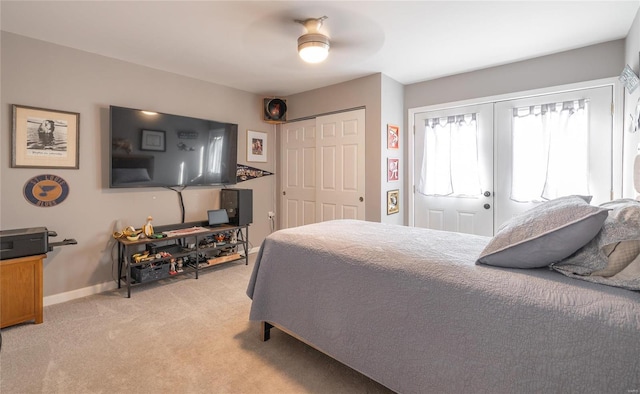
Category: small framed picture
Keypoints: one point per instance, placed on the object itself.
(392, 169)
(153, 140)
(256, 146)
(393, 137)
(45, 138)
(393, 201)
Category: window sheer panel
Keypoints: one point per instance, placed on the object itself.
(550, 151)
(450, 159)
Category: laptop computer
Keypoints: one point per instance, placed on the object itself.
(217, 217)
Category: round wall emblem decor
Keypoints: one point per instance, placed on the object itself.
(46, 190)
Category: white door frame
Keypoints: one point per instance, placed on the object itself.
(617, 127)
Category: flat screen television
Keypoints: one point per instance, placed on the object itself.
(150, 149)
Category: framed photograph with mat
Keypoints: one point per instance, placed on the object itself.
(393, 167)
(393, 201)
(393, 136)
(256, 146)
(45, 138)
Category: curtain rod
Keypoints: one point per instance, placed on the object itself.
(324, 114)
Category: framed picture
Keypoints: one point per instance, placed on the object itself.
(393, 136)
(45, 138)
(256, 146)
(393, 201)
(153, 140)
(392, 169)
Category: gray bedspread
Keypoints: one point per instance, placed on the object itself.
(409, 308)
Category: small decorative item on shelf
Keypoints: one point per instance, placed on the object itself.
(179, 265)
(147, 229)
(126, 232)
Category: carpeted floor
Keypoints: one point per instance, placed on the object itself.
(178, 335)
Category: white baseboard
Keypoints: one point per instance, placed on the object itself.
(91, 290)
(79, 293)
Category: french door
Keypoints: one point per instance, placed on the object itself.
(451, 210)
(485, 210)
(599, 148)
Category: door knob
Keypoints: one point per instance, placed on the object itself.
(487, 194)
(487, 206)
(361, 199)
(284, 193)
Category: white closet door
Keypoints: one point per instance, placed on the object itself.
(298, 171)
(323, 169)
(341, 166)
(600, 147)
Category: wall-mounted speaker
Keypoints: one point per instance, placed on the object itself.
(274, 110)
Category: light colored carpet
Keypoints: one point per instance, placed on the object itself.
(178, 335)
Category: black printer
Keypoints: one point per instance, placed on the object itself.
(28, 242)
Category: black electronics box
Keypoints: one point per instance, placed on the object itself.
(155, 249)
(23, 242)
(239, 205)
(144, 274)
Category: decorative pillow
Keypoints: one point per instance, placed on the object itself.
(622, 224)
(630, 274)
(544, 234)
(619, 255)
(628, 278)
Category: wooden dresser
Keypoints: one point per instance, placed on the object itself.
(21, 290)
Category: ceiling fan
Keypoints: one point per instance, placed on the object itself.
(313, 46)
(348, 36)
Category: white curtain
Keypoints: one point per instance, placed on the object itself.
(550, 151)
(450, 158)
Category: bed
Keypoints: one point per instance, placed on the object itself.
(415, 310)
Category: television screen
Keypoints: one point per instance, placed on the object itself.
(150, 149)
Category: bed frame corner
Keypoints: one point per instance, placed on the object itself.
(265, 330)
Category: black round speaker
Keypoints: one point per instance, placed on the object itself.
(275, 109)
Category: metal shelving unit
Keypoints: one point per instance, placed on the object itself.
(192, 246)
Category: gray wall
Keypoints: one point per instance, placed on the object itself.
(393, 113)
(40, 74)
(631, 140)
(362, 92)
(578, 65)
(594, 62)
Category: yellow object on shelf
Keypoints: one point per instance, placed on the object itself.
(148, 227)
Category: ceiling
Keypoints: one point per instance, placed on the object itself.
(251, 45)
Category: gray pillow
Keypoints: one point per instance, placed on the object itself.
(544, 234)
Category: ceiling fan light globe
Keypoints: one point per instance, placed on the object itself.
(313, 54)
(313, 48)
